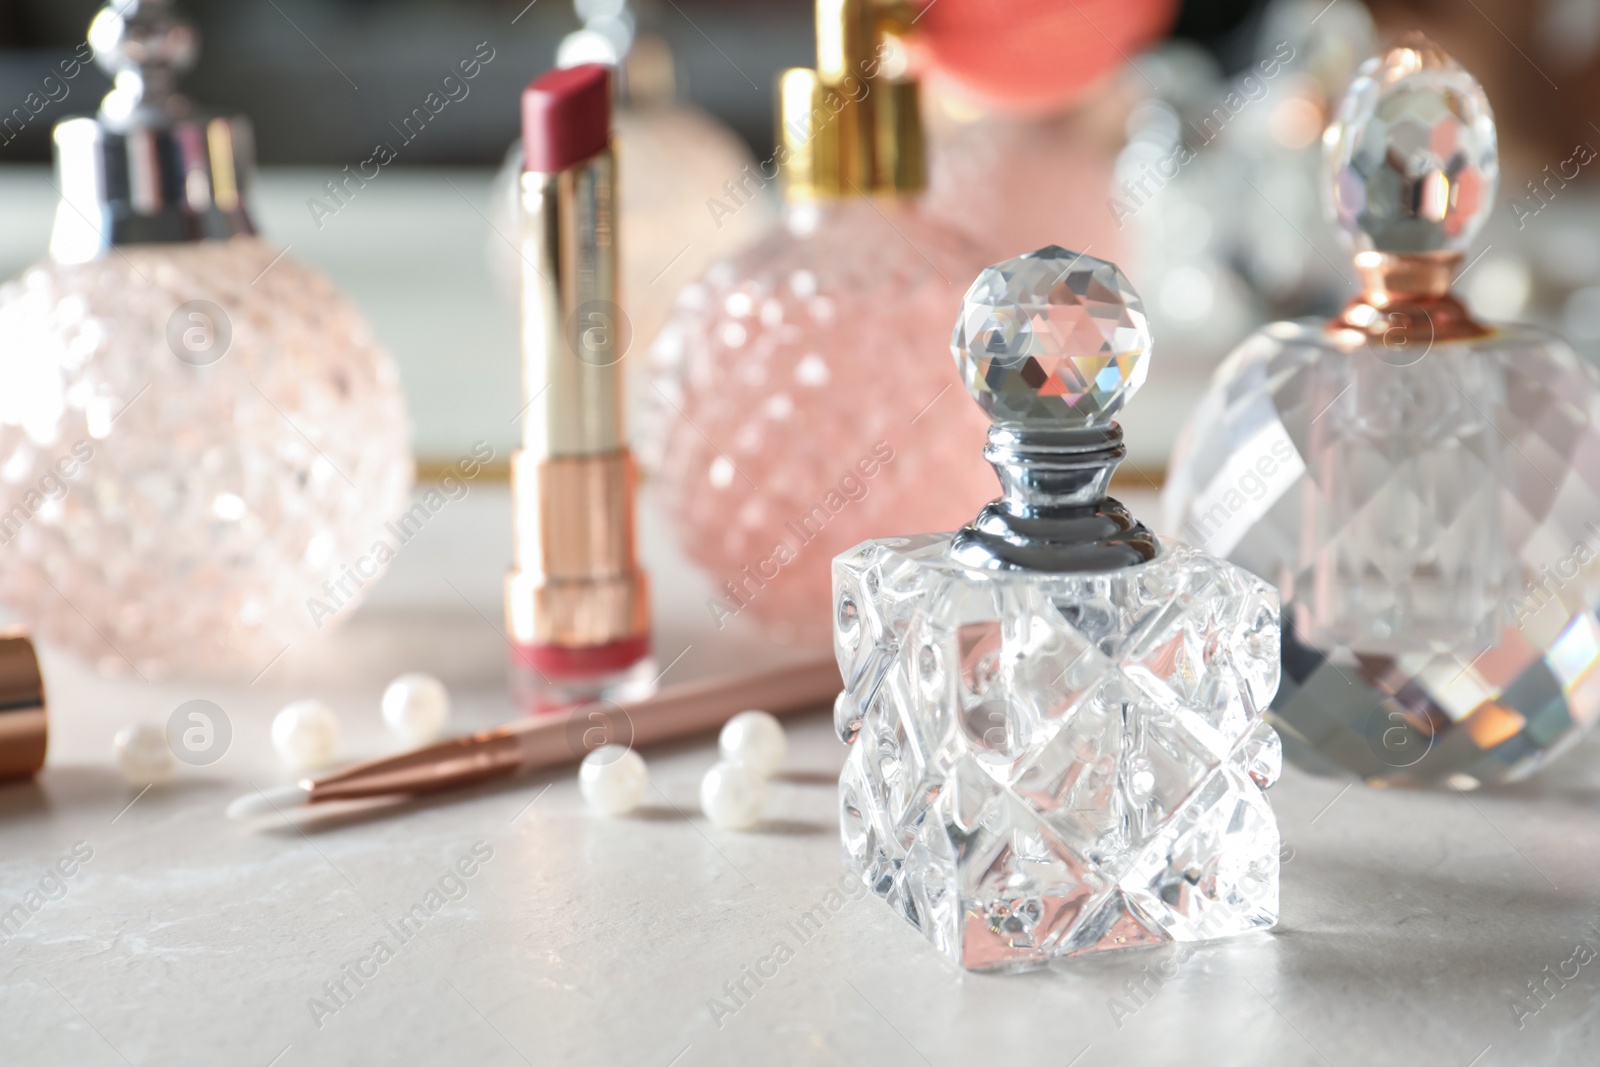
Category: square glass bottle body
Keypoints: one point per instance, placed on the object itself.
(1050, 764)
(1428, 513)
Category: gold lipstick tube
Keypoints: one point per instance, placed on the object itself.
(577, 602)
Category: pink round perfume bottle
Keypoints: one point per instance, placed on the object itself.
(801, 403)
(200, 440)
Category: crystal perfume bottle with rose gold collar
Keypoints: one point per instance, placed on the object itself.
(1056, 731)
(1422, 487)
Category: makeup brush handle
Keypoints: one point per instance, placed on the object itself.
(566, 737)
(453, 764)
(678, 711)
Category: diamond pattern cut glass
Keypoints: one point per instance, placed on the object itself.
(1071, 757)
(1047, 765)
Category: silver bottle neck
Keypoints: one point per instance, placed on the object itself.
(148, 168)
(1053, 514)
(185, 180)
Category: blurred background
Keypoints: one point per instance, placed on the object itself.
(259, 59)
(1237, 238)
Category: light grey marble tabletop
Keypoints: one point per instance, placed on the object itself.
(1412, 922)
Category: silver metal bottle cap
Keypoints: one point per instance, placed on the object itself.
(149, 168)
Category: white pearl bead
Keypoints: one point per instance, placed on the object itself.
(612, 779)
(733, 796)
(142, 754)
(305, 733)
(754, 739)
(416, 707)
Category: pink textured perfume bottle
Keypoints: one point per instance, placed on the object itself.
(202, 445)
(799, 402)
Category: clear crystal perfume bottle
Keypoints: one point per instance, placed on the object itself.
(1422, 488)
(1056, 723)
(797, 409)
(200, 440)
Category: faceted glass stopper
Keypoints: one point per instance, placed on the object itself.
(1412, 160)
(1052, 340)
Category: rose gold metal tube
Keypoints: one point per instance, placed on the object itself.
(556, 739)
(576, 585)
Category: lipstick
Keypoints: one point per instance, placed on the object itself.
(577, 603)
(24, 722)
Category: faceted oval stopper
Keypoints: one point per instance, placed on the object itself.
(1412, 162)
(1052, 339)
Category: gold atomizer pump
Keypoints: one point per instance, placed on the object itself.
(852, 126)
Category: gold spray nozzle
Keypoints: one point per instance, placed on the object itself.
(846, 128)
